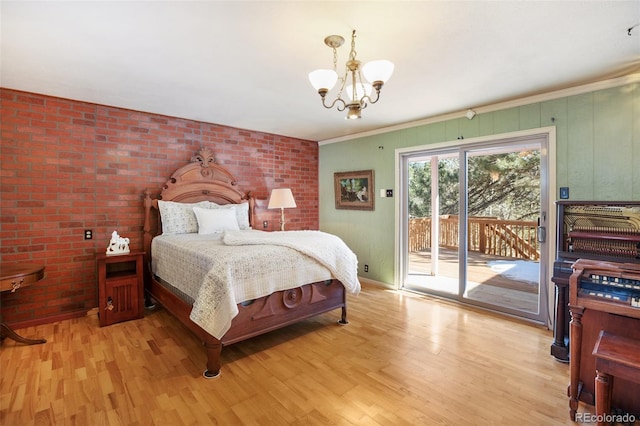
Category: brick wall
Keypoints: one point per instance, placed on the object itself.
(67, 166)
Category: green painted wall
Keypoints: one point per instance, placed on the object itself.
(597, 157)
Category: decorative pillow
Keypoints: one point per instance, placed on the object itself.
(213, 221)
(179, 218)
(242, 212)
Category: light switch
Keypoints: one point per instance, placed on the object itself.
(564, 192)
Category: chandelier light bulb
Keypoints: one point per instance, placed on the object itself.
(354, 111)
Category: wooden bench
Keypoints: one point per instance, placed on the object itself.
(615, 356)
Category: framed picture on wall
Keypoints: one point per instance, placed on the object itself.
(354, 190)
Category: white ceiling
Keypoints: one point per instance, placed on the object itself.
(245, 64)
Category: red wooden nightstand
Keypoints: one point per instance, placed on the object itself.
(120, 287)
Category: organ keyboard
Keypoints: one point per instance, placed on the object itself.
(605, 231)
(623, 290)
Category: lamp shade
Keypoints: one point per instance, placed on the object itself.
(380, 70)
(281, 198)
(323, 79)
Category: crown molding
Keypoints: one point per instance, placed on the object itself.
(571, 91)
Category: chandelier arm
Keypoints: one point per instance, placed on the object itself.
(363, 88)
(335, 101)
(367, 99)
(343, 81)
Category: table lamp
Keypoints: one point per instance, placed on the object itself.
(281, 198)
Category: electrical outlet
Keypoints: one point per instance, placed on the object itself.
(88, 234)
(389, 192)
(366, 268)
(265, 224)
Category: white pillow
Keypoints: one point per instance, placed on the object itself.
(179, 218)
(242, 212)
(213, 221)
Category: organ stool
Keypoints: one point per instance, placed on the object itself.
(615, 356)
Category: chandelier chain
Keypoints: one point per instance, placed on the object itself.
(335, 68)
(353, 53)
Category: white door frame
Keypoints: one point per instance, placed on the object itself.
(550, 184)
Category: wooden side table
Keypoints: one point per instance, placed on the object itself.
(12, 277)
(120, 287)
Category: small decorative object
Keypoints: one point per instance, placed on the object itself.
(354, 190)
(118, 245)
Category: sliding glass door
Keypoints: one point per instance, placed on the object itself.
(433, 205)
(474, 226)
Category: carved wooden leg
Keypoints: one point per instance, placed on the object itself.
(575, 344)
(559, 349)
(603, 383)
(6, 331)
(214, 349)
(343, 319)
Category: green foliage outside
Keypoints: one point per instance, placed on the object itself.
(504, 186)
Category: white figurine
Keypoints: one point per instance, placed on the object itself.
(118, 245)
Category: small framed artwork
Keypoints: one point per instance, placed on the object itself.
(354, 190)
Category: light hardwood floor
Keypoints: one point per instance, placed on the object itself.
(403, 359)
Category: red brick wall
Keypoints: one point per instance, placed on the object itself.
(67, 166)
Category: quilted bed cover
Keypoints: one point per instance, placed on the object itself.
(218, 271)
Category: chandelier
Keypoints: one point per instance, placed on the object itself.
(357, 89)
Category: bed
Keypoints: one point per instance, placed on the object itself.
(225, 281)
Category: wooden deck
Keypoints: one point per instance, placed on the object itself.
(483, 283)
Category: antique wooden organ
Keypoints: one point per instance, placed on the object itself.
(605, 231)
(603, 296)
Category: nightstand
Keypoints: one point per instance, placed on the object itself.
(120, 287)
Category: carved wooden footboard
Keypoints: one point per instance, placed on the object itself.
(286, 307)
(260, 316)
(202, 180)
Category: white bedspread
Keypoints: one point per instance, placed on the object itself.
(327, 249)
(219, 276)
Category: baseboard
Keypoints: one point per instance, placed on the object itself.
(381, 284)
(47, 320)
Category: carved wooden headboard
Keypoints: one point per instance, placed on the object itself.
(200, 180)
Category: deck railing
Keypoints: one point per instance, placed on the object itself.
(496, 237)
